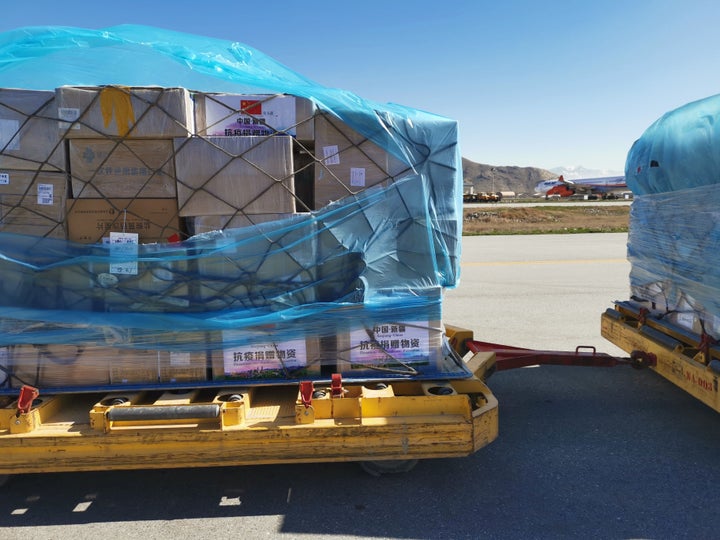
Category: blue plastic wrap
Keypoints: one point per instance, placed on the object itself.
(678, 151)
(371, 262)
(673, 170)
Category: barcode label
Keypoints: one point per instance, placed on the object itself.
(45, 194)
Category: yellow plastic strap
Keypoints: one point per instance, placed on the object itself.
(116, 100)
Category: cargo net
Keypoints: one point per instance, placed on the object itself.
(162, 236)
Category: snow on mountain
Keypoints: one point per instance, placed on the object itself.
(575, 172)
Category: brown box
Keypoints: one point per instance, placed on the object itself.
(177, 366)
(59, 365)
(155, 220)
(348, 162)
(112, 111)
(204, 224)
(247, 356)
(29, 136)
(227, 115)
(121, 169)
(130, 366)
(223, 175)
(257, 271)
(33, 203)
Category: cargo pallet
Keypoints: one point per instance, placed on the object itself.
(387, 426)
(687, 359)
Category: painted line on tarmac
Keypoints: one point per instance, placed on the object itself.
(565, 261)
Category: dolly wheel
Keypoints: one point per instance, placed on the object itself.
(388, 466)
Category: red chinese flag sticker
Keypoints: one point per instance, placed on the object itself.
(251, 106)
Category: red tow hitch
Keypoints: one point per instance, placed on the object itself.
(507, 357)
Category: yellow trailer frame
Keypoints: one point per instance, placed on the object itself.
(684, 358)
(392, 423)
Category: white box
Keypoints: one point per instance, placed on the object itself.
(392, 341)
(253, 115)
(249, 357)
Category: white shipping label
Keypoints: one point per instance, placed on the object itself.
(8, 131)
(686, 320)
(230, 115)
(357, 176)
(179, 359)
(4, 178)
(67, 115)
(388, 342)
(258, 357)
(331, 155)
(124, 246)
(45, 194)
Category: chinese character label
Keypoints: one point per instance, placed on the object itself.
(124, 246)
(331, 155)
(357, 176)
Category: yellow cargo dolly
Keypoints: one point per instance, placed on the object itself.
(387, 426)
(686, 359)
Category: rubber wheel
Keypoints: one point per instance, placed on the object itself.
(388, 466)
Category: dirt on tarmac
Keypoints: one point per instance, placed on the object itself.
(545, 219)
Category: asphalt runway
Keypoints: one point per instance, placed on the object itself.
(610, 453)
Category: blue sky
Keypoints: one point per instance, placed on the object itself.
(532, 83)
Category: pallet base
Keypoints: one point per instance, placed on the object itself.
(680, 356)
(247, 426)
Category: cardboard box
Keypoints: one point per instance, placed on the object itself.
(122, 169)
(77, 365)
(348, 162)
(244, 269)
(29, 136)
(180, 366)
(227, 115)
(113, 111)
(377, 341)
(155, 220)
(220, 176)
(390, 345)
(204, 224)
(247, 356)
(58, 365)
(131, 366)
(33, 203)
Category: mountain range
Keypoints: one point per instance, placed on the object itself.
(521, 180)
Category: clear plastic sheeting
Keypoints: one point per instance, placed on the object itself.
(673, 255)
(177, 210)
(673, 170)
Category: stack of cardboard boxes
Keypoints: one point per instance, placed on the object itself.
(141, 169)
(33, 165)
